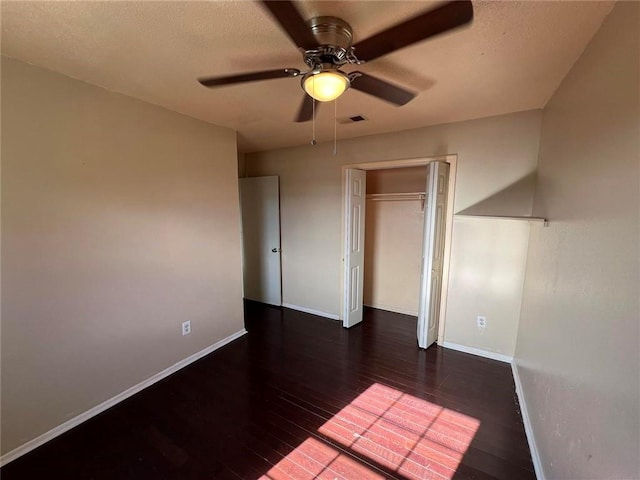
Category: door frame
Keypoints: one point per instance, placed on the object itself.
(277, 248)
(452, 160)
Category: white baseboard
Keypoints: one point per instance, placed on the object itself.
(477, 351)
(92, 412)
(311, 311)
(535, 456)
(389, 308)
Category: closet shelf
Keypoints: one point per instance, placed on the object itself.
(542, 220)
(396, 196)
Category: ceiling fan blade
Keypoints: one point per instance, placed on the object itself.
(381, 89)
(442, 19)
(306, 111)
(290, 20)
(249, 77)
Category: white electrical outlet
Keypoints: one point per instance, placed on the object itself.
(186, 327)
(482, 321)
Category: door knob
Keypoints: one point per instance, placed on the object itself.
(274, 250)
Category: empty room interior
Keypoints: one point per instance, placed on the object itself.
(320, 239)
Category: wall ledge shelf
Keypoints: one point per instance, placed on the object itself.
(541, 220)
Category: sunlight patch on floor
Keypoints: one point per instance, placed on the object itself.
(315, 459)
(391, 429)
(408, 435)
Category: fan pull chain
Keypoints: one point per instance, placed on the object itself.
(335, 127)
(313, 120)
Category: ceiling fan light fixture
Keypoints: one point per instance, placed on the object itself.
(326, 85)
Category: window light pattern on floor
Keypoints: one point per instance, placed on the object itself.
(413, 437)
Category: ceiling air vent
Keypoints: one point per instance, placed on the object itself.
(353, 119)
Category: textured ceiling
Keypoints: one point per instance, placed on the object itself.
(511, 58)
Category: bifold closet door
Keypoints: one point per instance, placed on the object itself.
(354, 247)
(432, 252)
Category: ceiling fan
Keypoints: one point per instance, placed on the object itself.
(327, 45)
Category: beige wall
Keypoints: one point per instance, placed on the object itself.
(578, 344)
(119, 222)
(393, 254)
(493, 154)
(242, 165)
(393, 240)
(397, 180)
(486, 278)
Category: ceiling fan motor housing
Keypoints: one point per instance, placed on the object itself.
(334, 37)
(331, 31)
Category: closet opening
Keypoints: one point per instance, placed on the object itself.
(396, 237)
(394, 224)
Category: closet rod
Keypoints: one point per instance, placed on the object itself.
(396, 196)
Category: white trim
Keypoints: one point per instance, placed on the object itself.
(311, 311)
(92, 412)
(477, 351)
(399, 163)
(535, 456)
(389, 308)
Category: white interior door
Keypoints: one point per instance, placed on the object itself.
(354, 247)
(432, 252)
(260, 206)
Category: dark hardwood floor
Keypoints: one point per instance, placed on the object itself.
(300, 397)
